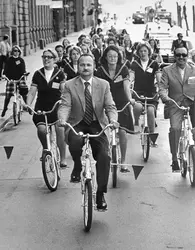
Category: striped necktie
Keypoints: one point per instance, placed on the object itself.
(88, 116)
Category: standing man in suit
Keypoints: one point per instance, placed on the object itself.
(178, 43)
(98, 51)
(88, 106)
(178, 82)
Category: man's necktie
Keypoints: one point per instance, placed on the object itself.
(88, 116)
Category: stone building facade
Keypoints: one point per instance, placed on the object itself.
(31, 24)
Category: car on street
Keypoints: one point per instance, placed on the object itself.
(138, 17)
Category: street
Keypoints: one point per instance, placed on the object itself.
(154, 212)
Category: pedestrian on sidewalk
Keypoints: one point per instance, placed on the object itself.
(14, 68)
(48, 83)
(4, 52)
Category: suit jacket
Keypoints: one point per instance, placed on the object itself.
(97, 56)
(176, 44)
(172, 85)
(72, 108)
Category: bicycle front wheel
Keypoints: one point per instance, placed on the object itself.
(114, 166)
(192, 165)
(87, 206)
(145, 141)
(49, 170)
(15, 113)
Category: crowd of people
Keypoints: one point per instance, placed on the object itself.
(93, 79)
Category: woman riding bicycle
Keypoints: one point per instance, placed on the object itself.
(116, 73)
(48, 83)
(143, 73)
(15, 67)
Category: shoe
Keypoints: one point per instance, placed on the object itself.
(154, 145)
(100, 201)
(75, 176)
(124, 170)
(3, 113)
(63, 165)
(175, 166)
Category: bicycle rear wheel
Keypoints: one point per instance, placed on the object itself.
(49, 170)
(88, 206)
(182, 160)
(145, 141)
(19, 111)
(15, 113)
(192, 165)
(114, 166)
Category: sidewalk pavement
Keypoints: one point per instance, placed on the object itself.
(33, 62)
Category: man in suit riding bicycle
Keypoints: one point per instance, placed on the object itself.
(178, 83)
(88, 106)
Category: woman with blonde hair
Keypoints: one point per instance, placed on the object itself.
(48, 83)
(143, 72)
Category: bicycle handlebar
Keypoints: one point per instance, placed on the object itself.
(39, 112)
(121, 110)
(16, 81)
(144, 97)
(180, 107)
(88, 135)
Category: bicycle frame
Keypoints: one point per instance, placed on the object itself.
(186, 136)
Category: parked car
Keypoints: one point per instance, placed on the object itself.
(138, 17)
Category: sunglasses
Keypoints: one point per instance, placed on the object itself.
(47, 57)
(15, 50)
(181, 54)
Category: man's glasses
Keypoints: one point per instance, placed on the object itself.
(47, 57)
(181, 54)
(15, 50)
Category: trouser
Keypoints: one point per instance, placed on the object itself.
(176, 118)
(100, 151)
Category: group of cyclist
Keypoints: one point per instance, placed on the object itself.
(93, 79)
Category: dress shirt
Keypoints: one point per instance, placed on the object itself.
(182, 72)
(90, 83)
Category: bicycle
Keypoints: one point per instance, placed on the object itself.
(17, 101)
(115, 151)
(51, 155)
(88, 184)
(186, 148)
(145, 136)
